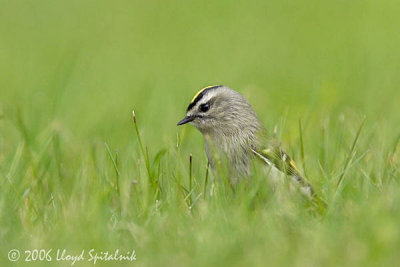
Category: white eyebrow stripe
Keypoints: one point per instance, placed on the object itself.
(206, 98)
(203, 100)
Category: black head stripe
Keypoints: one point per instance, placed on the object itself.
(200, 96)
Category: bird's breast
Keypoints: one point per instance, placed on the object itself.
(230, 152)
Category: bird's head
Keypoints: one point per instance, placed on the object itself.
(219, 109)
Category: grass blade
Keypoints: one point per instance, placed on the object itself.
(350, 155)
(144, 154)
(302, 148)
(114, 161)
(206, 180)
(190, 171)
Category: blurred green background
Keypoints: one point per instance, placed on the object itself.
(88, 63)
(72, 71)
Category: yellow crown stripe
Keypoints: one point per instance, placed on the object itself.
(199, 92)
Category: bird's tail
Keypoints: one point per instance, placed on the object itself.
(308, 190)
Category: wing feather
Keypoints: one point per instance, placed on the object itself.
(276, 157)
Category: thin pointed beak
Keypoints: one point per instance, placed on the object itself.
(186, 120)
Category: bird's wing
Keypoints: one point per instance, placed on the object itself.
(274, 156)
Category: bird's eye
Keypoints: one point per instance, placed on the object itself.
(205, 107)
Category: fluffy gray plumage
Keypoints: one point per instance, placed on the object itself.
(232, 131)
(228, 127)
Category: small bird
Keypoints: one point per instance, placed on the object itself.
(231, 129)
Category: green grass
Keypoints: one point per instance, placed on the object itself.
(75, 175)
